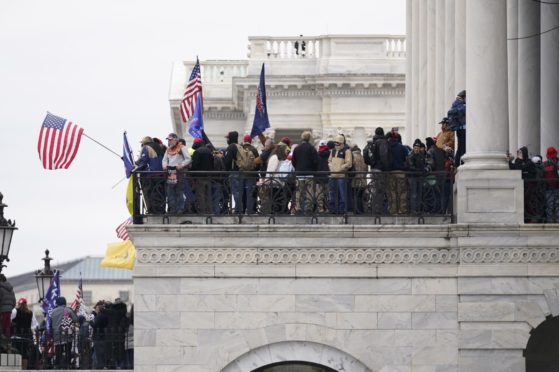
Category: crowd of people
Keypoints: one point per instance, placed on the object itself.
(100, 339)
(313, 176)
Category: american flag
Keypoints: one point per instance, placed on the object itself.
(59, 141)
(193, 89)
(76, 304)
(121, 229)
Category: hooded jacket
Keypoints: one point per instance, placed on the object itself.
(525, 165)
(340, 161)
(151, 158)
(231, 152)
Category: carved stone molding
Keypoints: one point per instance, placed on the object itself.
(295, 256)
(266, 256)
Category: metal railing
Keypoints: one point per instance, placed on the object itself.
(360, 194)
(541, 201)
(78, 348)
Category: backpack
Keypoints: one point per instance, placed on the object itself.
(383, 154)
(285, 170)
(245, 159)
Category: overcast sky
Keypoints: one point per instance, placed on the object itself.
(106, 65)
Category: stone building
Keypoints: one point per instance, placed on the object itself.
(478, 294)
(336, 83)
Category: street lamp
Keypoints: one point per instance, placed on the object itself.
(43, 277)
(7, 228)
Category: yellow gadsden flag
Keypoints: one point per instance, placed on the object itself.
(121, 255)
(130, 196)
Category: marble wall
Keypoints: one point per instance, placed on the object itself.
(353, 298)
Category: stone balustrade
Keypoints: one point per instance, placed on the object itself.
(220, 72)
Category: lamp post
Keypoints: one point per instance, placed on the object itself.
(44, 276)
(7, 228)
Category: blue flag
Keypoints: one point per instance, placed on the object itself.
(261, 121)
(127, 157)
(49, 302)
(197, 122)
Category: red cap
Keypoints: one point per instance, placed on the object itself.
(22, 300)
(551, 152)
(247, 138)
(197, 140)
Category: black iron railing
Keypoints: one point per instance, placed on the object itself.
(363, 194)
(541, 201)
(80, 348)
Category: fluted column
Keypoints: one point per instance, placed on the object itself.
(410, 97)
(440, 66)
(487, 100)
(459, 46)
(529, 76)
(415, 70)
(431, 66)
(512, 32)
(486, 190)
(422, 97)
(550, 77)
(449, 90)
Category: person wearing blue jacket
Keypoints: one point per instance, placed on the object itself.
(457, 122)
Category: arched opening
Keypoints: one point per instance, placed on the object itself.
(542, 349)
(294, 367)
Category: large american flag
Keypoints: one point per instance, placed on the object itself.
(121, 229)
(193, 89)
(59, 140)
(78, 300)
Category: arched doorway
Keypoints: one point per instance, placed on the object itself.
(294, 367)
(542, 349)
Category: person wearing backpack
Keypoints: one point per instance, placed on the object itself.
(397, 183)
(339, 162)
(235, 180)
(457, 122)
(551, 178)
(250, 164)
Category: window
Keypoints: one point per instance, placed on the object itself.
(123, 295)
(87, 297)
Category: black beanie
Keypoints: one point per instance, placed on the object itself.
(429, 142)
(379, 131)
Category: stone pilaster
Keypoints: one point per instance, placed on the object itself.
(449, 89)
(431, 66)
(410, 97)
(529, 76)
(439, 66)
(550, 77)
(460, 45)
(422, 97)
(486, 190)
(415, 70)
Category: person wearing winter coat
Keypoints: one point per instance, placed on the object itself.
(7, 303)
(202, 161)
(359, 181)
(397, 183)
(339, 163)
(457, 121)
(153, 184)
(305, 163)
(445, 138)
(62, 337)
(175, 161)
(523, 163)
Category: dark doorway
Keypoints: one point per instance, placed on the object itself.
(293, 134)
(294, 367)
(542, 350)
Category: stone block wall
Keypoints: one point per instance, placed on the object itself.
(369, 299)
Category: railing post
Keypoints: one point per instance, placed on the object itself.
(136, 200)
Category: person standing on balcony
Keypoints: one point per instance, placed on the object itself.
(523, 163)
(151, 160)
(305, 163)
(340, 162)
(230, 160)
(250, 179)
(397, 184)
(63, 332)
(202, 161)
(457, 122)
(324, 148)
(445, 138)
(378, 156)
(175, 161)
(551, 177)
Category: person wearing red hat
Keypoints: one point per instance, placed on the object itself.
(23, 321)
(551, 177)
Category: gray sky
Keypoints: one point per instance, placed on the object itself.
(106, 65)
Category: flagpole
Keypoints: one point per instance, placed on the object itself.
(100, 144)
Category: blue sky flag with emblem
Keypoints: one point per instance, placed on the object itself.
(196, 126)
(261, 122)
(127, 157)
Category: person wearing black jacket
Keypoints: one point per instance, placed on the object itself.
(528, 168)
(305, 163)
(202, 161)
(235, 180)
(99, 326)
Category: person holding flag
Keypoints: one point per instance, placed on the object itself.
(261, 121)
(151, 160)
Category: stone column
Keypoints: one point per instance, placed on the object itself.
(409, 72)
(440, 67)
(449, 90)
(415, 70)
(422, 110)
(550, 78)
(487, 191)
(529, 76)
(431, 67)
(512, 32)
(459, 46)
